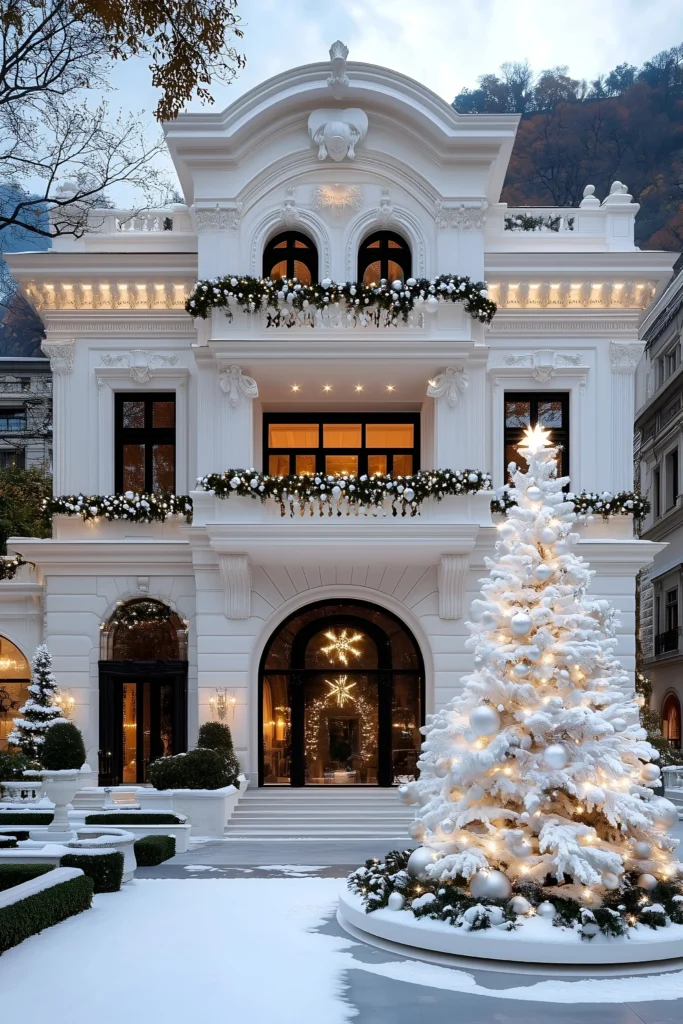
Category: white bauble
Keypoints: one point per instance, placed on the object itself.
(610, 880)
(534, 493)
(555, 756)
(650, 772)
(520, 623)
(666, 814)
(642, 851)
(447, 826)
(478, 661)
(562, 547)
(416, 830)
(396, 901)
(406, 794)
(489, 620)
(484, 720)
(543, 572)
(397, 285)
(431, 304)
(492, 885)
(547, 536)
(475, 793)
(419, 861)
(519, 905)
(619, 724)
(546, 909)
(507, 529)
(520, 670)
(647, 881)
(522, 849)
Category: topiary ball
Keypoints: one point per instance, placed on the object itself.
(63, 747)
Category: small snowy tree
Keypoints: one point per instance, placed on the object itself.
(540, 771)
(39, 711)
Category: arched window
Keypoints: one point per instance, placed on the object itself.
(384, 255)
(291, 254)
(15, 675)
(144, 630)
(671, 720)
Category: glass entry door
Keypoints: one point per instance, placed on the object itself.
(341, 728)
(147, 723)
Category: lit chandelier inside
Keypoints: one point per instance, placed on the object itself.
(342, 645)
(341, 689)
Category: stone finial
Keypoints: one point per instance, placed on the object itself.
(618, 193)
(338, 81)
(589, 197)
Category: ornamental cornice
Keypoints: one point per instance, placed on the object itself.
(61, 356)
(111, 326)
(625, 358)
(506, 323)
(140, 363)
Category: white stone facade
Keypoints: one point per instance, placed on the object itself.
(570, 301)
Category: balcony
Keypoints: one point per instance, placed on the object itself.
(667, 642)
(601, 227)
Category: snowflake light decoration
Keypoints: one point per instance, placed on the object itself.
(341, 689)
(342, 645)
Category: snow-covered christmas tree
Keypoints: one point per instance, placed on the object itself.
(39, 712)
(538, 778)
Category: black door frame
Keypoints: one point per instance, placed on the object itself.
(112, 675)
(298, 676)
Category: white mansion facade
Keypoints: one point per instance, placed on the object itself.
(322, 632)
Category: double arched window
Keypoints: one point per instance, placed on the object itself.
(291, 254)
(383, 255)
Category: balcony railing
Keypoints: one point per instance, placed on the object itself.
(667, 642)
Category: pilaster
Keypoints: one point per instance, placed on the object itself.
(623, 360)
(61, 355)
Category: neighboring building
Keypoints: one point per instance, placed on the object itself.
(322, 639)
(25, 412)
(658, 454)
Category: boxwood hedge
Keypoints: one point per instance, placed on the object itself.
(153, 850)
(29, 916)
(15, 874)
(129, 818)
(104, 869)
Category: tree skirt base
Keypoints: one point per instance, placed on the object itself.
(536, 944)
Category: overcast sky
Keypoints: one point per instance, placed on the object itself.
(444, 44)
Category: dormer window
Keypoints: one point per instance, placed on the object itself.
(383, 255)
(291, 254)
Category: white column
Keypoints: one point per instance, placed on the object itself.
(624, 360)
(61, 356)
(237, 449)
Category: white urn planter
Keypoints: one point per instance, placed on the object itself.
(207, 810)
(99, 837)
(60, 788)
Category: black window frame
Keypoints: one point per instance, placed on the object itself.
(383, 254)
(342, 418)
(13, 416)
(307, 256)
(514, 435)
(147, 435)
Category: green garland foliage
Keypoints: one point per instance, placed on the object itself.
(10, 564)
(153, 850)
(620, 910)
(588, 503)
(396, 299)
(527, 222)
(129, 507)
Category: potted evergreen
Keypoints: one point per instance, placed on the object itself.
(62, 755)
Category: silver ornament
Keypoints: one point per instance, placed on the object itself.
(520, 623)
(642, 851)
(522, 849)
(396, 901)
(484, 720)
(555, 756)
(419, 861)
(519, 905)
(650, 772)
(447, 826)
(416, 830)
(543, 572)
(489, 620)
(507, 529)
(610, 880)
(666, 814)
(534, 493)
(562, 547)
(647, 881)
(547, 536)
(619, 724)
(520, 670)
(546, 909)
(492, 885)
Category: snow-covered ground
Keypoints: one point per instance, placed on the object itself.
(241, 949)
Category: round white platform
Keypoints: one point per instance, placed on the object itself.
(536, 942)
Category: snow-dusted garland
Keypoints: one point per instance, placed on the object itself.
(131, 507)
(627, 503)
(10, 564)
(446, 900)
(363, 303)
(404, 492)
(527, 222)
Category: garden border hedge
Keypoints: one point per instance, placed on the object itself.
(134, 818)
(153, 850)
(28, 916)
(14, 874)
(104, 869)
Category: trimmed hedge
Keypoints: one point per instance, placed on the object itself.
(63, 747)
(7, 842)
(15, 874)
(104, 869)
(197, 769)
(31, 915)
(29, 818)
(217, 736)
(128, 818)
(153, 850)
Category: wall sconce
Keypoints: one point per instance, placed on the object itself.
(65, 701)
(221, 703)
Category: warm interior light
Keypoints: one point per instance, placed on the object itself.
(390, 387)
(359, 387)
(327, 387)
(296, 387)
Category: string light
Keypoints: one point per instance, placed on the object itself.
(341, 689)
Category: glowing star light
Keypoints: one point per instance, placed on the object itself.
(535, 439)
(341, 689)
(342, 645)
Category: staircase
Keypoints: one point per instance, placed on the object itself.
(320, 813)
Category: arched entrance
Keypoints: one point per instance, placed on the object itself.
(143, 690)
(671, 720)
(341, 698)
(15, 676)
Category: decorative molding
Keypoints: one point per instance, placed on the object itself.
(218, 219)
(236, 575)
(340, 198)
(371, 219)
(385, 210)
(182, 325)
(451, 578)
(336, 133)
(560, 325)
(451, 385)
(460, 217)
(624, 358)
(61, 356)
(140, 362)
(544, 362)
(309, 220)
(234, 383)
(338, 80)
(289, 213)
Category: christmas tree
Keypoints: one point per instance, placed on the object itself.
(39, 711)
(540, 771)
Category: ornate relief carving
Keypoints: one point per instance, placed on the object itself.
(544, 362)
(234, 384)
(217, 219)
(338, 197)
(385, 210)
(451, 385)
(460, 217)
(61, 356)
(337, 132)
(140, 362)
(236, 575)
(289, 212)
(451, 579)
(624, 358)
(338, 80)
